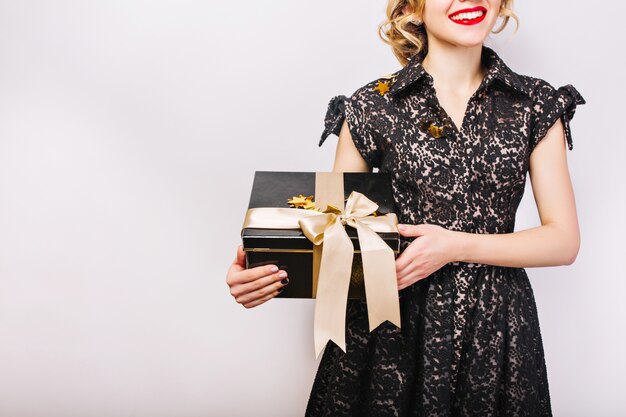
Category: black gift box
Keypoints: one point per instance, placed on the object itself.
(289, 248)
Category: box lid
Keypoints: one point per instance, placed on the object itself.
(274, 188)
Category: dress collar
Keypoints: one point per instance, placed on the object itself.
(496, 69)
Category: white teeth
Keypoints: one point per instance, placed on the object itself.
(468, 16)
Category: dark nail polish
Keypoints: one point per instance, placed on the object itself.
(284, 281)
(280, 289)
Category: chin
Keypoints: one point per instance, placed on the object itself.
(470, 43)
(469, 40)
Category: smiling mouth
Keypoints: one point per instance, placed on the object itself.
(469, 16)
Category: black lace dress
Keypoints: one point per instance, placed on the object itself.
(470, 342)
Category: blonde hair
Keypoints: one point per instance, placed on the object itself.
(408, 39)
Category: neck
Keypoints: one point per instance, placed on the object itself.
(454, 68)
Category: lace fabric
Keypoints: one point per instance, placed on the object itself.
(470, 342)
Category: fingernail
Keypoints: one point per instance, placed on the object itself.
(280, 289)
(274, 268)
(284, 281)
(401, 227)
(282, 274)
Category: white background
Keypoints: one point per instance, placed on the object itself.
(129, 134)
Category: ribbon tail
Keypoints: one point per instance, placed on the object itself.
(332, 288)
(379, 276)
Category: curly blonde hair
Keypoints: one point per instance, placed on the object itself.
(408, 39)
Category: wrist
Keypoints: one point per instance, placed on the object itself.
(458, 247)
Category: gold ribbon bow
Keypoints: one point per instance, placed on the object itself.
(327, 230)
(379, 270)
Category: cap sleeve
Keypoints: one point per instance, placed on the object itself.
(550, 105)
(363, 134)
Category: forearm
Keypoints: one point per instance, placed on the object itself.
(545, 245)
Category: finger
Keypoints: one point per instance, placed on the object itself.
(409, 230)
(262, 293)
(241, 277)
(405, 259)
(261, 300)
(409, 271)
(413, 277)
(240, 259)
(409, 280)
(404, 284)
(412, 268)
(247, 288)
(406, 271)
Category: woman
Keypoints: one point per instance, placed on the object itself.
(457, 130)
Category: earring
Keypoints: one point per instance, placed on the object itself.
(416, 21)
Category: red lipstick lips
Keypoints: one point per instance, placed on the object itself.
(471, 16)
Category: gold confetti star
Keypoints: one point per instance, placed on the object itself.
(302, 202)
(382, 87)
(435, 131)
(308, 205)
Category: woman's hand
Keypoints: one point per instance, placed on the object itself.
(254, 286)
(432, 248)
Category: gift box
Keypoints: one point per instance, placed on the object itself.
(291, 249)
